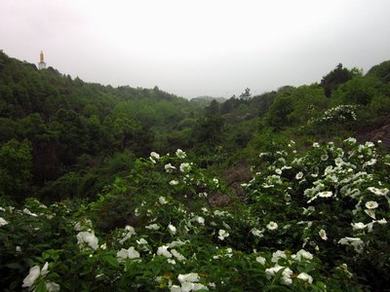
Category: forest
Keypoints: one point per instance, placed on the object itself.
(136, 189)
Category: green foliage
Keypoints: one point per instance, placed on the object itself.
(15, 168)
(67, 119)
(359, 90)
(381, 71)
(295, 106)
(311, 220)
(336, 77)
(278, 113)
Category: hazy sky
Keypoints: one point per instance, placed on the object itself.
(198, 47)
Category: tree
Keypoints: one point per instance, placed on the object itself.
(213, 108)
(381, 71)
(360, 90)
(336, 77)
(279, 111)
(15, 168)
(246, 94)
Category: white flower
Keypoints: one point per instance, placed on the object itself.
(191, 277)
(175, 288)
(256, 232)
(180, 154)
(222, 234)
(130, 231)
(344, 268)
(3, 222)
(371, 213)
(339, 161)
(358, 226)
(278, 171)
(350, 140)
(356, 242)
(129, 253)
(34, 274)
(198, 286)
(372, 161)
(172, 229)
(162, 200)
(200, 220)
(163, 251)
(188, 283)
(45, 269)
(308, 211)
(316, 145)
(185, 167)
(286, 274)
(322, 234)
(153, 227)
(132, 253)
(371, 205)
(28, 212)
(303, 254)
(272, 271)
(177, 255)
(169, 167)
(260, 260)
(272, 225)
(324, 157)
(18, 248)
(122, 254)
(305, 277)
(88, 238)
(154, 156)
(141, 241)
(52, 287)
(299, 175)
(171, 261)
(378, 192)
(174, 182)
(177, 243)
(277, 255)
(326, 194)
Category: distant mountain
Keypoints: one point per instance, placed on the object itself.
(206, 100)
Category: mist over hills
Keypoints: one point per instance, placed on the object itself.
(206, 100)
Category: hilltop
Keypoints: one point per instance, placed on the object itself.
(206, 100)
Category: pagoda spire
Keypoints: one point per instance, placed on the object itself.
(41, 64)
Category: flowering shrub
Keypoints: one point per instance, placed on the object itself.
(310, 219)
(340, 114)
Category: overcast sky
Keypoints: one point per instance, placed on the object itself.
(198, 47)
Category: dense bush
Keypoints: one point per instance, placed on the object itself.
(315, 221)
